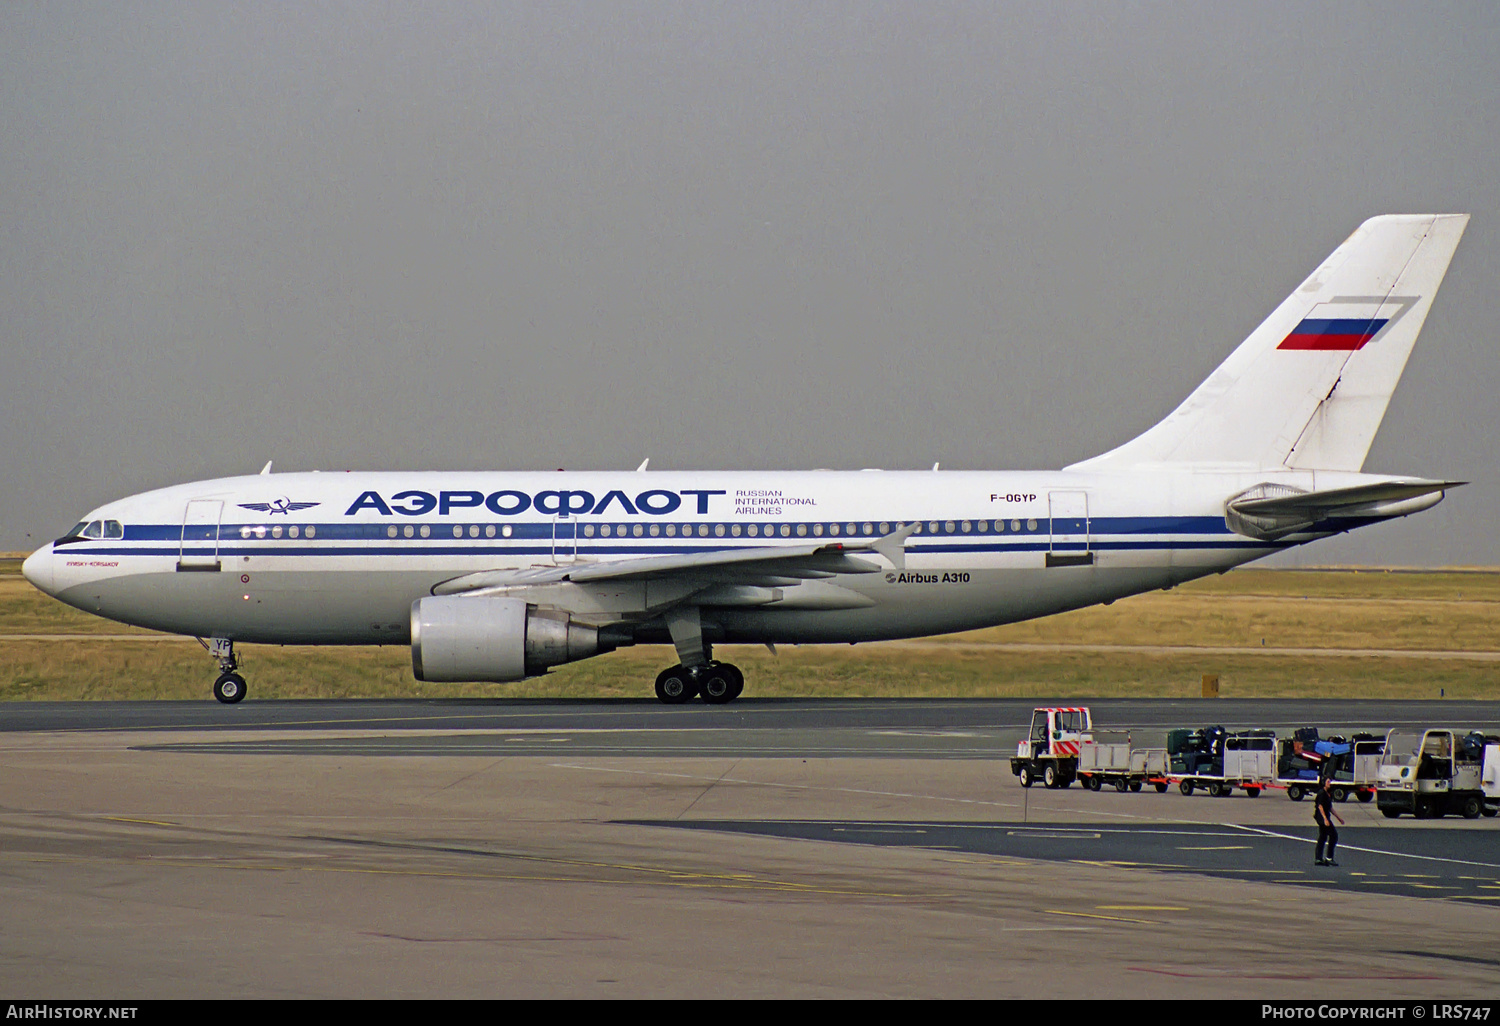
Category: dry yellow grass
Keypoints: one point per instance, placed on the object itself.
(1286, 609)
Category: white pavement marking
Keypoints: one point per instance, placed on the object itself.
(1369, 851)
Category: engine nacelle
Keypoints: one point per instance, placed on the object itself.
(472, 637)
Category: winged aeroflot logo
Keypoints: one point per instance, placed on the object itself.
(282, 505)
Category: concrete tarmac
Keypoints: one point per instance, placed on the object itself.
(792, 849)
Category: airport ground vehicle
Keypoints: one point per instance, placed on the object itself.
(1218, 761)
(1439, 771)
(1111, 760)
(1305, 759)
(1051, 748)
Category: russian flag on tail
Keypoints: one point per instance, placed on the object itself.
(1344, 325)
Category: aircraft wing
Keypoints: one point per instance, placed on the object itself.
(721, 566)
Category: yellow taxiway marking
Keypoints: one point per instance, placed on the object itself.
(1095, 915)
(128, 819)
(1145, 908)
(1226, 847)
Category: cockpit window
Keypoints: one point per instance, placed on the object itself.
(95, 529)
(113, 529)
(77, 531)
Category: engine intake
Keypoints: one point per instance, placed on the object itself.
(472, 638)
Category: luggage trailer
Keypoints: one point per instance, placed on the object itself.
(1107, 759)
(1303, 760)
(1219, 762)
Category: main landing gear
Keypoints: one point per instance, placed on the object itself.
(697, 673)
(717, 683)
(230, 687)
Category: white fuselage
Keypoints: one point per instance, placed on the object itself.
(338, 558)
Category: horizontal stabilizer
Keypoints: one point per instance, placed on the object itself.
(1270, 511)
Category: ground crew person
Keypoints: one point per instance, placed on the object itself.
(1324, 815)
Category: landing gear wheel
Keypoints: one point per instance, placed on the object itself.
(716, 686)
(1026, 777)
(1294, 792)
(229, 688)
(674, 685)
(736, 680)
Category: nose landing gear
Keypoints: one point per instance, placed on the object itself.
(230, 687)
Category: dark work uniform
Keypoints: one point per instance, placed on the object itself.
(1323, 814)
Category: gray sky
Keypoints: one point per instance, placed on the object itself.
(505, 236)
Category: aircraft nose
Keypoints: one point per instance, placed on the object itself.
(38, 568)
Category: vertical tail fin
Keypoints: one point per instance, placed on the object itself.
(1309, 387)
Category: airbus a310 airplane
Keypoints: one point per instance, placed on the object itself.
(499, 576)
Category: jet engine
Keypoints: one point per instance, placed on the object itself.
(473, 637)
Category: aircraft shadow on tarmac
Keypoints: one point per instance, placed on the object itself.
(1453, 864)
